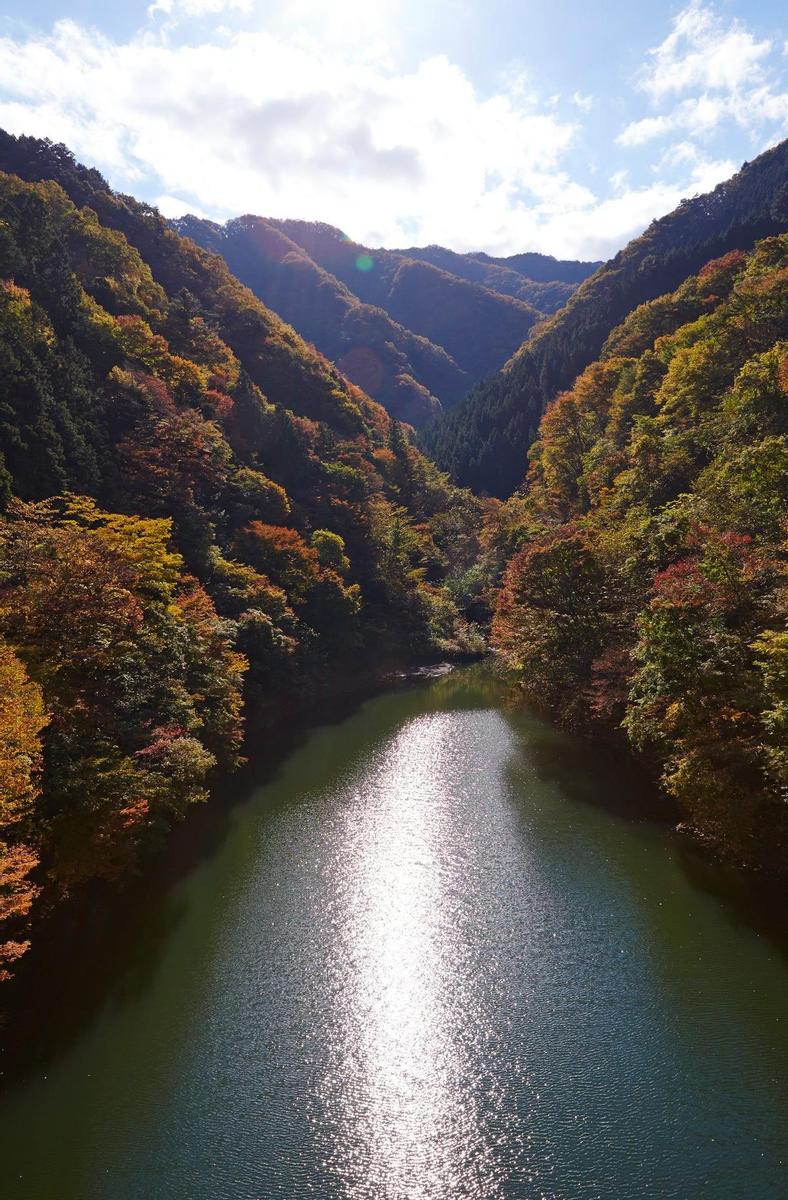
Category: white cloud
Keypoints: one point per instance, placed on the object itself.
(586, 103)
(600, 229)
(197, 8)
(175, 206)
(678, 154)
(703, 52)
(707, 173)
(262, 124)
(286, 123)
(639, 132)
(724, 64)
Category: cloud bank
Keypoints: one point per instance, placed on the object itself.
(273, 122)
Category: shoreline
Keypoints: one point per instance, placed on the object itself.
(80, 943)
(81, 929)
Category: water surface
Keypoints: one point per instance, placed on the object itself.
(428, 960)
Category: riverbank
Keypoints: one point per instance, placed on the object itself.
(70, 939)
(431, 952)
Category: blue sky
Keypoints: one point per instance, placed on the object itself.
(561, 126)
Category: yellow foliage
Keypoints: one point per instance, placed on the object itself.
(22, 717)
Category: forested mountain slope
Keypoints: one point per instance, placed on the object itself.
(542, 268)
(650, 589)
(416, 332)
(196, 509)
(405, 372)
(472, 323)
(484, 440)
(383, 274)
(509, 276)
(540, 280)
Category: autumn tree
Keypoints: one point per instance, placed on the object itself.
(22, 718)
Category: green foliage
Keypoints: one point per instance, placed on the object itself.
(771, 660)
(483, 442)
(199, 512)
(330, 549)
(414, 329)
(649, 594)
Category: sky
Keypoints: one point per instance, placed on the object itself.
(562, 126)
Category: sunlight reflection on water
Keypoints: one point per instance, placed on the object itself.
(403, 1089)
(421, 966)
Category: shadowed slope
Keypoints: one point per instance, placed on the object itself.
(484, 441)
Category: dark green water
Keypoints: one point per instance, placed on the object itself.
(425, 961)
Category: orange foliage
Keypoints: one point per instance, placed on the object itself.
(22, 719)
(281, 553)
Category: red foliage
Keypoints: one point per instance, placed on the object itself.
(219, 403)
(155, 391)
(733, 260)
(611, 674)
(280, 553)
(682, 583)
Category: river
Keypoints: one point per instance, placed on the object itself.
(429, 958)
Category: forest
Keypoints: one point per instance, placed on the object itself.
(202, 514)
(648, 598)
(483, 441)
(415, 328)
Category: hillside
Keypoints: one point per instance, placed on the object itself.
(392, 279)
(543, 268)
(648, 593)
(197, 512)
(472, 323)
(406, 373)
(483, 442)
(540, 280)
(416, 329)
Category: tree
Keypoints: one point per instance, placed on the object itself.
(22, 719)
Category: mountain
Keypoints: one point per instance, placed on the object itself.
(381, 277)
(543, 268)
(647, 591)
(405, 372)
(483, 442)
(416, 329)
(198, 512)
(539, 279)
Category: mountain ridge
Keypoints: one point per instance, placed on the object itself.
(407, 373)
(483, 442)
(363, 307)
(198, 513)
